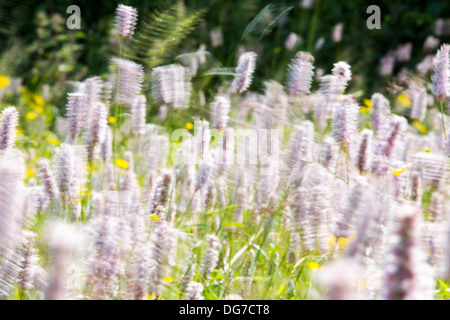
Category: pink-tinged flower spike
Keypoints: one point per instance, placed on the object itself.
(31, 273)
(318, 195)
(342, 69)
(406, 274)
(77, 113)
(161, 192)
(194, 291)
(329, 153)
(103, 262)
(419, 101)
(125, 22)
(380, 113)
(387, 64)
(171, 86)
(220, 110)
(11, 202)
(244, 72)
(65, 246)
(92, 87)
(70, 169)
(47, 178)
(97, 128)
(138, 113)
(441, 76)
(337, 32)
(211, 256)
(339, 280)
(300, 73)
(8, 126)
(301, 143)
(159, 251)
(416, 188)
(349, 213)
(131, 76)
(387, 143)
(106, 149)
(345, 124)
(364, 157)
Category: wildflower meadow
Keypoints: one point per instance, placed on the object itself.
(167, 154)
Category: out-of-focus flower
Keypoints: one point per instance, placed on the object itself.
(4, 82)
(337, 32)
(244, 72)
(122, 164)
(387, 65)
(126, 18)
(441, 75)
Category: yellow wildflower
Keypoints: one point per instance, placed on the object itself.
(112, 120)
(189, 125)
(4, 81)
(364, 109)
(368, 102)
(313, 266)
(39, 101)
(39, 109)
(404, 100)
(30, 116)
(419, 126)
(399, 171)
(154, 217)
(52, 140)
(168, 279)
(29, 173)
(342, 243)
(123, 164)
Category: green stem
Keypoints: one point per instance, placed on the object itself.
(313, 26)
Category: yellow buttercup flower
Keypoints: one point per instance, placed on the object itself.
(400, 171)
(168, 279)
(368, 102)
(419, 126)
(313, 266)
(52, 140)
(154, 217)
(39, 101)
(404, 100)
(123, 164)
(189, 125)
(364, 109)
(112, 120)
(30, 116)
(29, 173)
(342, 243)
(39, 110)
(4, 81)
